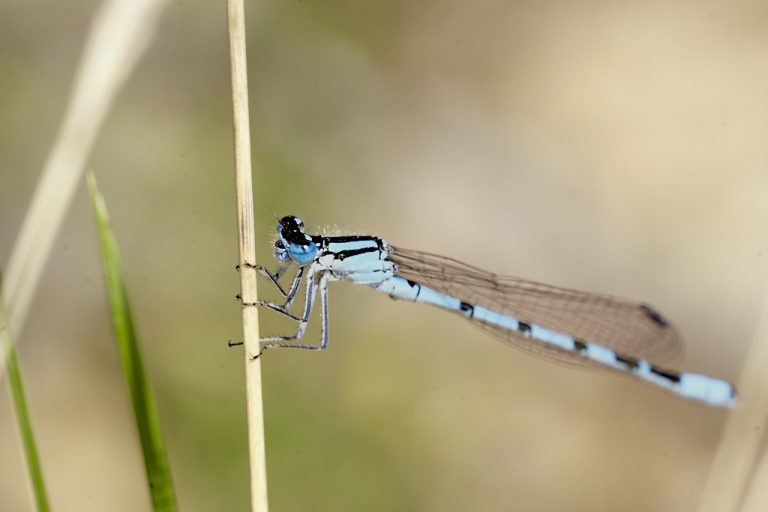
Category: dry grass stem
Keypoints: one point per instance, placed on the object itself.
(246, 239)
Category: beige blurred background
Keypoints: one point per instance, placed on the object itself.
(618, 147)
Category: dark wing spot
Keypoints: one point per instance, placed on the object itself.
(629, 362)
(580, 346)
(673, 377)
(654, 315)
(524, 328)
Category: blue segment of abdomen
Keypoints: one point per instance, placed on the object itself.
(403, 289)
(488, 316)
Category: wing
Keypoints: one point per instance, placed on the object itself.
(627, 327)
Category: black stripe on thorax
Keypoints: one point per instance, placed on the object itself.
(324, 241)
(349, 238)
(341, 255)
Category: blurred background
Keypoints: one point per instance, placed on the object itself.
(617, 147)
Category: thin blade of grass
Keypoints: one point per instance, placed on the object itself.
(23, 420)
(120, 33)
(142, 398)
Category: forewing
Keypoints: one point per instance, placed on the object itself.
(627, 327)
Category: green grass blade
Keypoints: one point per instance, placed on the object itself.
(142, 399)
(16, 390)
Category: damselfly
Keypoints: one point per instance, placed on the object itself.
(568, 326)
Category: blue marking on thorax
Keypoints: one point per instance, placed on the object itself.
(363, 268)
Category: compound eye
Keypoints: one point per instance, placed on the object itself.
(299, 222)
